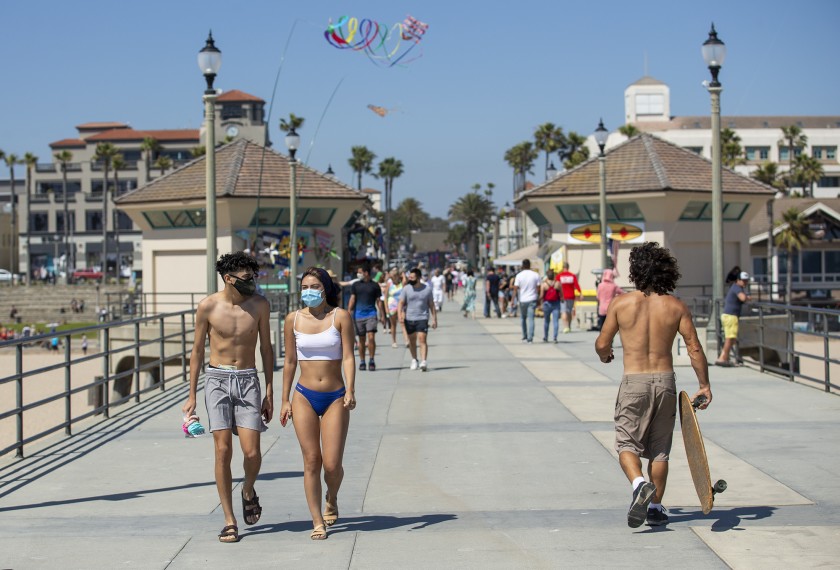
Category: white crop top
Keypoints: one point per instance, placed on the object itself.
(325, 345)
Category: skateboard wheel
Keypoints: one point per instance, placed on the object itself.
(720, 486)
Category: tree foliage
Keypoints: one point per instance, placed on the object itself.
(576, 151)
(521, 159)
(474, 209)
(793, 237)
(361, 161)
(731, 152)
(629, 130)
(549, 138)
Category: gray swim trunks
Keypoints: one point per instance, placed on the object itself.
(233, 399)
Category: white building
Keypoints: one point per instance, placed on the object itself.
(647, 106)
(41, 215)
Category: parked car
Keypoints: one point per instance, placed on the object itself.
(84, 274)
(5, 276)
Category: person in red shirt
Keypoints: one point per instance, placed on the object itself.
(568, 285)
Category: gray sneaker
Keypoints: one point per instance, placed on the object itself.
(642, 497)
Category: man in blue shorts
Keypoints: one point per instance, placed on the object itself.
(416, 305)
(366, 305)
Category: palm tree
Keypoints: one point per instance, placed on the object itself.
(389, 169)
(361, 162)
(30, 160)
(11, 161)
(806, 172)
(768, 173)
(629, 130)
(411, 216)
(105, 152)
(792, 238)
(549, 139)
(521, 159)
(793, 138)
(457, 236)
(150, 147)
(197, 151)
(576, 151)
(293, 122)
(117, 163)
(164, 163)
(732, 154)
(474, 210)
(63, 158)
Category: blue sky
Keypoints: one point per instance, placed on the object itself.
(488, 75)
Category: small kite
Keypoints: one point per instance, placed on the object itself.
(384, 45)
(381, 111)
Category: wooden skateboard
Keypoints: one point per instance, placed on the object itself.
(698, 464)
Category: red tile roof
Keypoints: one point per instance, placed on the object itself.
(171, 135)
(237, 96)
(69, 143)
(646, 163)
(102, 125)
(238, 176)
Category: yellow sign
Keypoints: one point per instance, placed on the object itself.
(618, 231)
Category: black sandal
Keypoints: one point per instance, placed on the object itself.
(251, 509)
(229, 534)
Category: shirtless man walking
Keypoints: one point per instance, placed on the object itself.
(234, 318)
(645, 411)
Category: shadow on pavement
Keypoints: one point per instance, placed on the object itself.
(356, 524)
(127, 496)
(723, 519)
(67, 450)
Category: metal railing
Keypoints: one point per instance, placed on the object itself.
(797, 342)
(142, 348)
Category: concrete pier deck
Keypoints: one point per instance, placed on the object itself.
(500, 456)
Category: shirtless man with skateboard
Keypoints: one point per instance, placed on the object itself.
(648, 320)
(234, 318)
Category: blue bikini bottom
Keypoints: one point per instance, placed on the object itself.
(320, 401)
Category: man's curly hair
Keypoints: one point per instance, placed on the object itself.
(232, 262)
(653, 268)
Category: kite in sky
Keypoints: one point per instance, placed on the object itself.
(384, 45)
(381, 111)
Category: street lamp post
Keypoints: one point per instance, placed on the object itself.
(770, 249)
(714, 52)
(495, 219)
(209, 61)
(551, 172)
(507, 226)
(601, 134)
(292, 143)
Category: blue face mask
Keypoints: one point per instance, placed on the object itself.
(311, 297)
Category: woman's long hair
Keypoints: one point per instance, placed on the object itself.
(331, 290)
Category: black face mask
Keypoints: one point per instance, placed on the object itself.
(246, 287)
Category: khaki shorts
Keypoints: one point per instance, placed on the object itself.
(730, 325)
(645, 414)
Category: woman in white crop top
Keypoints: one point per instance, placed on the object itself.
(319, 339)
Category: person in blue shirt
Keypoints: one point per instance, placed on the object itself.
(735, 299)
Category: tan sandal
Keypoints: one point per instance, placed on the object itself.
(319, 534)
(330, 514)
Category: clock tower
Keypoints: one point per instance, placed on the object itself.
(239, 115)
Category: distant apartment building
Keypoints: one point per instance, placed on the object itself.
(647, 106)
(238, 115)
